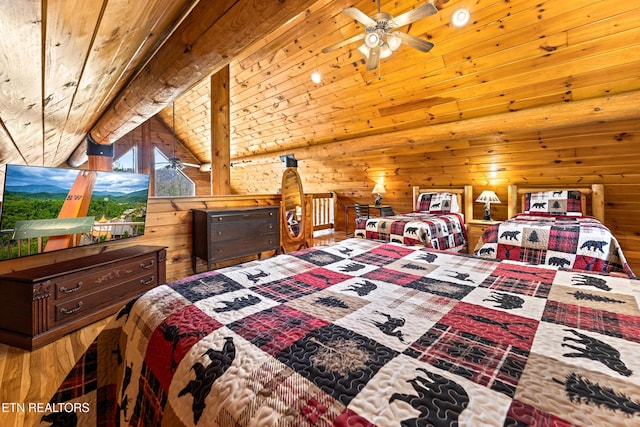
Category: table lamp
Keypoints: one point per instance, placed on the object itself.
(487, 197)
(378, 188)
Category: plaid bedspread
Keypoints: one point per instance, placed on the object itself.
(582, 243)
(366, 333)
(438, 231)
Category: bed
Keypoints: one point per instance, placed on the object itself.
(437, 220)
(553, 229)
(366, 333)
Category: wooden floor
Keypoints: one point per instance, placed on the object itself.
(33, 377)
(328, 236)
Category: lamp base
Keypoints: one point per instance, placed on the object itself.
(487, 213)
(378, 201)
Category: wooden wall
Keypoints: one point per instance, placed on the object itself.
(606, 153)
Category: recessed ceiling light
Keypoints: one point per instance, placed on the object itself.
(460, 17)
(316, 77)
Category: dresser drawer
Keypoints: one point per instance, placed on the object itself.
(86, 302)
(73, 285)
(223, 229)
(238, 248)
(243, 216)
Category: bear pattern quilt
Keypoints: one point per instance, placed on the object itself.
(367, 333)
(566, 242)
(438, 231)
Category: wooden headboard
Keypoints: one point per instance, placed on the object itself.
(463, 195)
(596, 191)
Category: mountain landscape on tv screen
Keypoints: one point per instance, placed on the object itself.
(117, 207)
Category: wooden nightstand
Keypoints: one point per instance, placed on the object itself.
(475, 228)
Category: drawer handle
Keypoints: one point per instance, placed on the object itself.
(71, 311)
(148, 282)
(146, 266)
(71, 290)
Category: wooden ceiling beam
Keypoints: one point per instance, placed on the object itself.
(207, 40)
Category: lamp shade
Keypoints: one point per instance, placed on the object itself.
(488, 196)
(379, 188)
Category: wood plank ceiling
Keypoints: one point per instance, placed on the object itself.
(66, 65)
(512, 56)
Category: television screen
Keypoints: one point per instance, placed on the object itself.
(46, 209)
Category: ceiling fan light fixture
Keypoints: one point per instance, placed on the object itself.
(380, 36)
(394, 42)
(460, 17)
(385, 51)
(372, 40)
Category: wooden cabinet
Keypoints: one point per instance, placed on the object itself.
(475, 228)
(221, 234)
(41, 304)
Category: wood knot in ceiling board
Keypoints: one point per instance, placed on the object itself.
(548, 48)
(622, 136)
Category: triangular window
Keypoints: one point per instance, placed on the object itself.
(128, 162)
(169, 179)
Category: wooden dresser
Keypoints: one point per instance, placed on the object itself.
(41, 304)
(221, 234)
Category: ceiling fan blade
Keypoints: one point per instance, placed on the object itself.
(343, 43)
(373, 59)
(414, 42)
(413, 15)
(359, 16)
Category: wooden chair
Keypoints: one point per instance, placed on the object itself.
(362, 211)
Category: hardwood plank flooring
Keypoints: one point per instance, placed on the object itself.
(33, 377)
(326, 237)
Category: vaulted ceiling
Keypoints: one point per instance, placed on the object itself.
(70, 67)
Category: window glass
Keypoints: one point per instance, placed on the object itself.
(169, 179)
(128, 162)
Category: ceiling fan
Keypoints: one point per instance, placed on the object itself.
(380, 37)
(174, 162)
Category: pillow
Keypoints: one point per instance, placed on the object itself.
(553, 203)
(438, 203)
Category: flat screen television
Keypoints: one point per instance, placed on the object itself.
(46, 209)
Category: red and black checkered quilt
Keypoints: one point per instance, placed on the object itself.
(445, 231)
(582, 243)
(366, 333)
